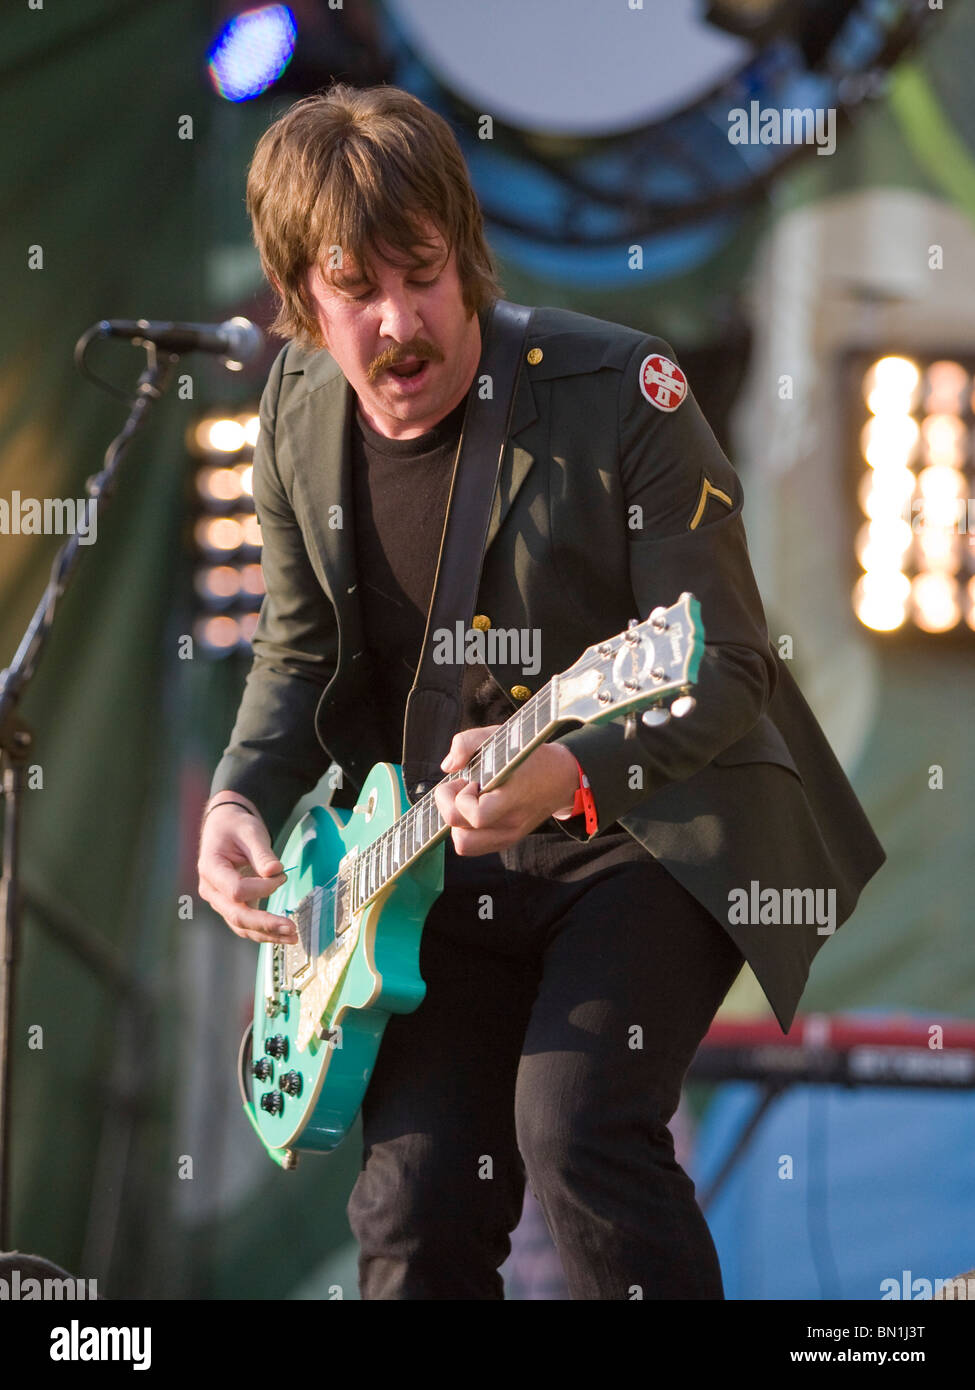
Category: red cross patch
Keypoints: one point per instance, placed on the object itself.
(662, 382)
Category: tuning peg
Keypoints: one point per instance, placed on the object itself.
(633, 622)
(655, 718)
(682, 706)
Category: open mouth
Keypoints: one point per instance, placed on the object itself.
(407, 370)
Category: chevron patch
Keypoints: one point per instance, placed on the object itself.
(707, 490)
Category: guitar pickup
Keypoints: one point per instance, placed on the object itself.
(299, 958)
(273, 971)
(343, 906)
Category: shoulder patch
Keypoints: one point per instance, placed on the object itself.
(662, 382)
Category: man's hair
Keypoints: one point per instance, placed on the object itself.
(361, 170)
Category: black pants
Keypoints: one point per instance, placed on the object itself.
(568, 988)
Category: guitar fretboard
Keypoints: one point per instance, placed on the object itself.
(422, 825)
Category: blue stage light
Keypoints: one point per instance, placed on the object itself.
(252, 51)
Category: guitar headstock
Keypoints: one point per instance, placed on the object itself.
(651, 667)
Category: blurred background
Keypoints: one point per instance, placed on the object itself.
(820, 297)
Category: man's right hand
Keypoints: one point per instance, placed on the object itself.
(237, 867)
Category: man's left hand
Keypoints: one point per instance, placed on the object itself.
(484, 822)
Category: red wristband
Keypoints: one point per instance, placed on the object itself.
(584, 803)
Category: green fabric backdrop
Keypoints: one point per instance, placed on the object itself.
(135, 221)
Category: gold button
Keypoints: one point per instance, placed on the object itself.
(481, 622)
(520, 692)
(535, 356)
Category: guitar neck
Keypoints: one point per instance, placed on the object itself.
(422, 827)
(649, 667)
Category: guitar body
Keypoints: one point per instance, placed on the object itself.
(327, 1057)
(360, 884)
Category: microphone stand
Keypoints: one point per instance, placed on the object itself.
(17, 738)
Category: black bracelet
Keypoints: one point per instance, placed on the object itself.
(228, 803)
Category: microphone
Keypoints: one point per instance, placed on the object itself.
(237, 339)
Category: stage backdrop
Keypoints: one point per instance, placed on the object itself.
(133, 1163)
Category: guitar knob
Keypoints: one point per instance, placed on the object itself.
(272, 1102)
(277, 1046)
(655, 718)
(262, 1068)
(683, 705)
(291, 1082)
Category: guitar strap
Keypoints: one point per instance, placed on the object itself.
(433, 706)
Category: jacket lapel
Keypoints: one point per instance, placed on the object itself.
(323, 475)
(518, 458)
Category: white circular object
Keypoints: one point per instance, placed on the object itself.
(571, 66)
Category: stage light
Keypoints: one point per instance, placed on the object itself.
(219, 485)
(218, 584)
(934, 598)
(944, 439)
(940, 481)
(226, 436)
(228, 580)
(252, 580)
(945, 386)
(217, 435)
(938, 550)
(915, 479)
(887, 493)
(940, 512)
(880, 545)
(878, 607)
(219, 533)
(252, 51)
(889, 440)
(251, 531)
(890, 386)
(217, 635)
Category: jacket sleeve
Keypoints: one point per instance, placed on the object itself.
(274, 756)
(684, 531)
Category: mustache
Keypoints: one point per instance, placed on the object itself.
(419, 348)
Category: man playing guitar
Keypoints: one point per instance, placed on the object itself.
(581, 945)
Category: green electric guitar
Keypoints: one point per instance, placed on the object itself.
(361, 882)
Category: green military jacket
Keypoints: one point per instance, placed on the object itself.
(614, 498)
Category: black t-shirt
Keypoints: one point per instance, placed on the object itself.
(400, 491)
